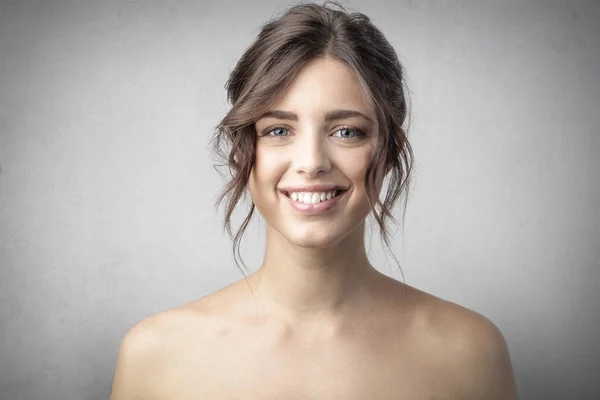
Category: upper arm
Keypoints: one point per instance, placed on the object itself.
(137, 363)
(484, 368)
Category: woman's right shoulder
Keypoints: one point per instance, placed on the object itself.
(163, 334)
(161, 331)
(152, 331)
(151, 344)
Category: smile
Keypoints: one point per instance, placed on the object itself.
(307, 203)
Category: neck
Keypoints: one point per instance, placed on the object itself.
(296, 282)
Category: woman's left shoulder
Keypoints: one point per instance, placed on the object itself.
(475, 352)
(462, 327)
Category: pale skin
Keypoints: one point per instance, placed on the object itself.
(320, 322)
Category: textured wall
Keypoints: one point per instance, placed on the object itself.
(107, 189)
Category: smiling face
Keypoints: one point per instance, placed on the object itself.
(319, 132)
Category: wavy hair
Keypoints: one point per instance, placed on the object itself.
(269, 65)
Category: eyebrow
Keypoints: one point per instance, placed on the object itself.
(332, 115)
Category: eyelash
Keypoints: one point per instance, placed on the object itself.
(359, 134)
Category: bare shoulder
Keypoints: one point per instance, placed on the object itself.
(163, 334)
(475, 352)
(147, 348)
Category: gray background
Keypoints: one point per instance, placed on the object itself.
(107, 185)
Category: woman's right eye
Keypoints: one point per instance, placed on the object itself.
(277, 131)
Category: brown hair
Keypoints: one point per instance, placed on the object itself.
(267, 67)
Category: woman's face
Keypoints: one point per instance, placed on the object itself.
(319, 132)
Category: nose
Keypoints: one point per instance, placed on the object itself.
(311, 155)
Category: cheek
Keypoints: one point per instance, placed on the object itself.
(268, 167)
(355, 167)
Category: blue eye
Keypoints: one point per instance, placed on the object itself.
(278, 131)
(349, 131)
(343, 133)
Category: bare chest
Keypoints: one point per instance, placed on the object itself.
(261, 369)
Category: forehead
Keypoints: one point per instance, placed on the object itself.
(321, 85)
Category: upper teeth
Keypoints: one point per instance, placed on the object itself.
(312, 197)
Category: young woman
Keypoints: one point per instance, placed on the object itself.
(316, 124)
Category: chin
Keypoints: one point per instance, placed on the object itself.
(313, 239)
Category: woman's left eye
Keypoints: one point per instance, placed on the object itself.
(349, 131)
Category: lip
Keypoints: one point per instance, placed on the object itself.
(315, 209)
